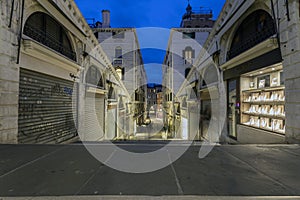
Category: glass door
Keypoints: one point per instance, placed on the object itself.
(233, 107)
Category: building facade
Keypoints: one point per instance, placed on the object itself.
(255, 47)
(55, 78)
(185, 44)
(122, 48)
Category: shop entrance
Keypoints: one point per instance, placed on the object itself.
(233, 107)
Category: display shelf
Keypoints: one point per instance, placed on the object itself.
(263, 108)
(281, 117)
(265, 102)
(280, 131)
(268, 89)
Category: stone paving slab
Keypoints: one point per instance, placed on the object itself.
(67, 170)
(154, 198)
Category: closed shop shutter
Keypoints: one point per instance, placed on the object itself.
(45, 108)
(194, 119)
(184, 128)
(121, 126)
(94, 117)
(111, 124)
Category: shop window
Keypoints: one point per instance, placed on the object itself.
(256, 28)
(47, 31)
(94, 77)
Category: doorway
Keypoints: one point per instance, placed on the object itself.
(233, 108)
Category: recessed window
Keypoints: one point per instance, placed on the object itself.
(47, 31)
(94, 77)
(190, 35)
(118, 52)
(256, 28)
(118, 35)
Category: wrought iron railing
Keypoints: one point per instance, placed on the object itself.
(49, 41)
(256, 38)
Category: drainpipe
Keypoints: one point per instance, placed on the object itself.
(20, 33)
(11, 13)
(287, 10)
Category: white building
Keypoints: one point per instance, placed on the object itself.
(183, 48)
(122, 48)
(53, 73)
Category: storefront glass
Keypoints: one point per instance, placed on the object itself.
(263, 99)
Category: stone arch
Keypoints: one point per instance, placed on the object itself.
(46, 30)
(227, 38)
(94, 77)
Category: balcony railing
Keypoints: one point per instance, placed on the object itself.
(49, 41)
(250, 42)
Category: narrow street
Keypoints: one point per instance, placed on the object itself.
(152, 131)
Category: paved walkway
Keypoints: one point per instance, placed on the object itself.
(54, 170)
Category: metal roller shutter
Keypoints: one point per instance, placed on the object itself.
(194, 119)
(111, 124)
(94, 117)
(45, 108)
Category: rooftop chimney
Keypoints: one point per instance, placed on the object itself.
(105, 19)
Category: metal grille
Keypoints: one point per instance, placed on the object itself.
(45, 109)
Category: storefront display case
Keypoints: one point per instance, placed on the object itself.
(263, 100)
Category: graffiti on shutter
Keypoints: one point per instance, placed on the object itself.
(45, 109)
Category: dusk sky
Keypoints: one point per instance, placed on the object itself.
(147, 13)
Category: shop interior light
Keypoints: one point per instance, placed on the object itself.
(273, 68)
(261, 72)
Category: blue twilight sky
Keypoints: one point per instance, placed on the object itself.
(147, 13)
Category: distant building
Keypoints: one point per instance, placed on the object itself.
(152, 93)
(201, 18)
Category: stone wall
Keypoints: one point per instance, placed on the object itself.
(9, 72)
(290, 48)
